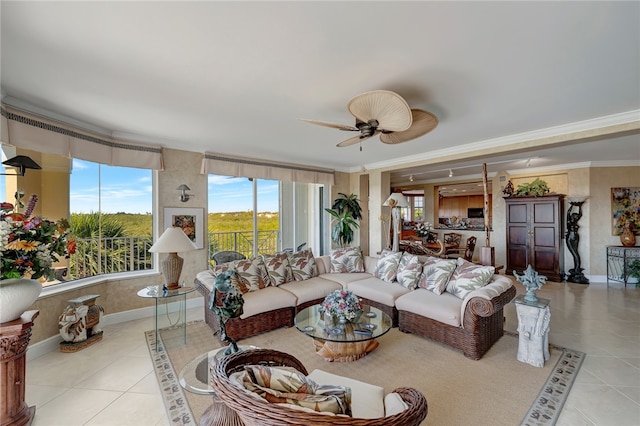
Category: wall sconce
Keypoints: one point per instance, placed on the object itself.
(184, 196)
(22, 162)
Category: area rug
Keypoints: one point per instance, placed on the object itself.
(496, 390)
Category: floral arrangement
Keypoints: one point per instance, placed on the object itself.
(30, 245)
(342, 303)
(422, 229)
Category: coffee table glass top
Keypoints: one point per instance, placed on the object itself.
(372, 324)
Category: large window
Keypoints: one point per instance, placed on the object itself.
(110, 218)
(109, 210)
(258, 216)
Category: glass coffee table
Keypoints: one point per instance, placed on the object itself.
(336, 342)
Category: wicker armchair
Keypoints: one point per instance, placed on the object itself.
(254, 412)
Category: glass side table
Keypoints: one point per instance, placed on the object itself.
(533, 330)
(180, 296)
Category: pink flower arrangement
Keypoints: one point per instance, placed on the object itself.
(342, 303)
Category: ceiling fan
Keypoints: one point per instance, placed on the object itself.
(384, 113)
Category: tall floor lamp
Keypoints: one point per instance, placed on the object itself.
(396, 201)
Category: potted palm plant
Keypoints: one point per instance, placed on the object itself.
(346, 211)
(633, 272)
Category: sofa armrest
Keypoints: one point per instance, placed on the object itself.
(370, 263)
(487, 300)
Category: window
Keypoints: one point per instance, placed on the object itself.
(259, 216)
(417, 204)
(111, 218)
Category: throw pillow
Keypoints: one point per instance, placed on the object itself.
(409, 271)
(278, 268)
(387, 266)
(347, 260)
(436, 273)
(252, 273)
(223, 267)
(282, 385)
(468, 277)
(303, 265)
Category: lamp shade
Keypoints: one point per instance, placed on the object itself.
(396, 199)
(173, 240)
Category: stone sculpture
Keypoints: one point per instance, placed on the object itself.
(78, 322)
(532, 281)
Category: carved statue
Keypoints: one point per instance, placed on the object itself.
(532, 281)
(227, 303)
(573, 239)
(79, 322)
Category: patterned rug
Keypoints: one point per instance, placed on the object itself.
(544, 410)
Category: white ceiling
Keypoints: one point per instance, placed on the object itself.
(235, 77)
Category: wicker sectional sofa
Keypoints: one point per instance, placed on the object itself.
(471, 324)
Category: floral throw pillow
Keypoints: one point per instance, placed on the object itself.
(347, 260)
(409, 271)
(224, 267)
(303, 265)
(436, 273)
(387, 266)
(288, 386)
(278, 268)
(468, 277)
(252, 273)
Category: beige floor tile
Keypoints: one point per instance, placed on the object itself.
(572, 417)
(39, 395)
(120, 375)
(131, 409)
(149, 384)
(604, 405)
(633, 392)
(74, 407)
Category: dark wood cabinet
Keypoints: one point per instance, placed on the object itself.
(534, 235)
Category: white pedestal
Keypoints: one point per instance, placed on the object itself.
(533, 331)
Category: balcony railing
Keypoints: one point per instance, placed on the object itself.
(124, 254)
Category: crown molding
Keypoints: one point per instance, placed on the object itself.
(607, 125)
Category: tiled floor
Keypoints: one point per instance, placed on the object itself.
(112, 383)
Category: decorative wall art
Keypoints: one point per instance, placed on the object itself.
(191, 221)
(625, 208)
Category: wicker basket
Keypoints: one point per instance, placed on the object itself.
(255, 412)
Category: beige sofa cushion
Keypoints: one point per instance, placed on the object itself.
(394, 404)
(265, 300)
(498, 285)
(345, 279)
(367, 400)
(377, 290)
(311, 289)
(443, 307)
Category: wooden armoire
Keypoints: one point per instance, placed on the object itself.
(534, 235)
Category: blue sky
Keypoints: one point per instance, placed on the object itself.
(130, 191)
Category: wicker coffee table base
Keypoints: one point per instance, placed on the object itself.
(344, 352)
(218, 414)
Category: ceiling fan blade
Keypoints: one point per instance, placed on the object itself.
(352, 141)
(423, 123)
(332, 125)
(390, 110)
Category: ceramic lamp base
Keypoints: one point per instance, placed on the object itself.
(171, 268)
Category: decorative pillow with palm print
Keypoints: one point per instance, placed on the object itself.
(253, 273)
(387, 266)
(278, 268)
(347, 260)
(436, 273)
(289, 386)
(303, 265)
(409, 271)
(468, 277)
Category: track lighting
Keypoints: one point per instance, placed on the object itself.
(450, 173)
(411, 178)
(528, 162)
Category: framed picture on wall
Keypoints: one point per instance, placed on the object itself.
(625, 207)
(191, 221)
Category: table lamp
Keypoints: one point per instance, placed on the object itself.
(396, 201)
(172, 241)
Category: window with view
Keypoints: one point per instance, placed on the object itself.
(108, 209)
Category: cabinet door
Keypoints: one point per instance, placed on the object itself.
(545, 227)
(518, 251)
